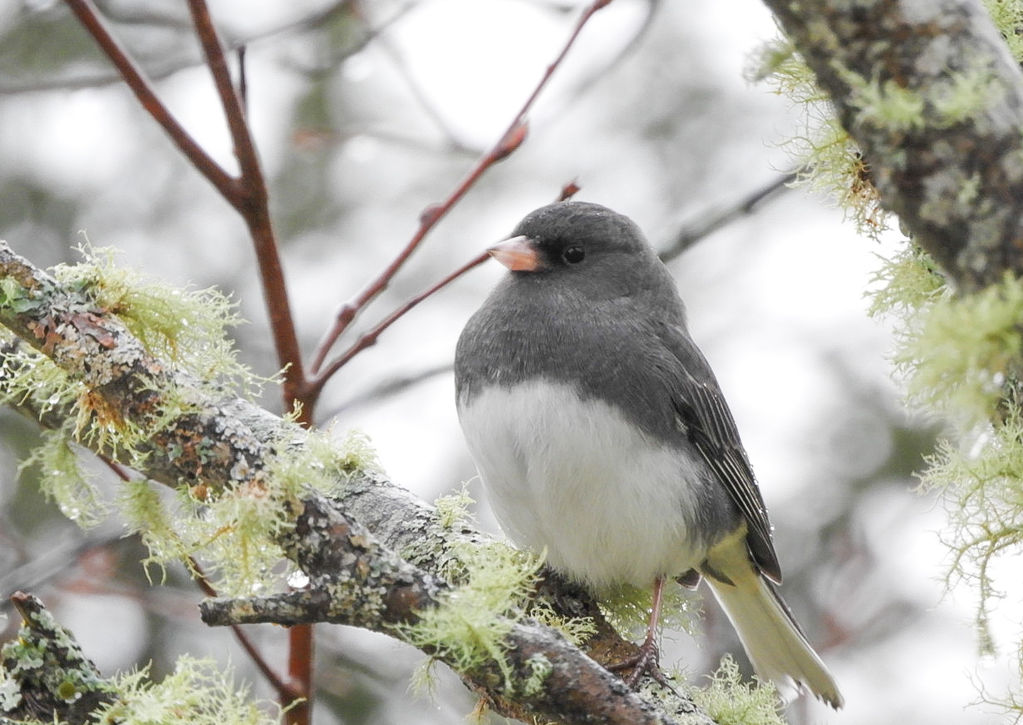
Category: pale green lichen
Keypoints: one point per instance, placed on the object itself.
(467, 629)
(10, 693)
(145, 514)
(954, 353)
(905, 283)
(958, 354)
(1008, 18)
(318, 463)
(960, 96)
(540, 669)
(198, 692)
(885, 104)
(233, 530)
(30, 378)
(730, 700)
(62, 479)
(827, 160)
(576, 630)
(980, 482)
(186, 326)
(627, 608)
(960, 357)
(956, 97)
(454, 509)
(352, 453)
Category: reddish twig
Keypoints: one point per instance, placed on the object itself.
(120, 471)
(285, 692)
(300, 672)
(569, 190)
(369, 338)
(510, 140)
(244, 148)
(248, 195)
(143, 90)
(251, 202)
(243, 79)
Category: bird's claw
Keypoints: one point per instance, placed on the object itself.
(646, 662)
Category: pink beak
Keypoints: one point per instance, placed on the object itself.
(519, 254)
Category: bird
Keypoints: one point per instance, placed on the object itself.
(602, 437)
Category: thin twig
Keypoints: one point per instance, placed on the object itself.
(140, 86)
(243, 79)
(422, 100)
(701, 228)
(153, 72)
(509, 141)
(369, 338)
(283, 689)
(251, 202)
(388, 388)
(216, 61)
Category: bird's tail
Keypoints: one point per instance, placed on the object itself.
(774, 642)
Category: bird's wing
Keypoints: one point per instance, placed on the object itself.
(708, 423)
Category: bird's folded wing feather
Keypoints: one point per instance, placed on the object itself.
(710, 427)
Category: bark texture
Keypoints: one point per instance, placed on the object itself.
(932, 96)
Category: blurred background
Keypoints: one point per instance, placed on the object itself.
(365, 114)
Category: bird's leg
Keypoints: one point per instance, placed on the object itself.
(647, 661)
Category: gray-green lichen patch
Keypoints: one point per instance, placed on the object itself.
(143, 373)
(730, 700)
(540, 669)
(979, 480)
(44, 670)
(198, 692)
(188, 327)
(468, 628)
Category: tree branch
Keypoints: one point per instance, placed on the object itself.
(934, 100)
(369, 338)
(704, 226)
(251, 200)
(139, 85)
(356, 581)
(54, 678)
(225, 443)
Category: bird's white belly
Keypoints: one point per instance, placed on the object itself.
(608, 503)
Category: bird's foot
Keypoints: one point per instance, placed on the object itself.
(645, 662)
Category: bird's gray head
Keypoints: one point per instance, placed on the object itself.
(605, 252)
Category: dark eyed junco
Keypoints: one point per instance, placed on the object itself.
(601, 434)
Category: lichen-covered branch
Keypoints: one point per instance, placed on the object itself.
(47, 676)
(934, 100)
(376, 556)
(355, 581)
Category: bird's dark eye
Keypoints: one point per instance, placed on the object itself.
(573, 255)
